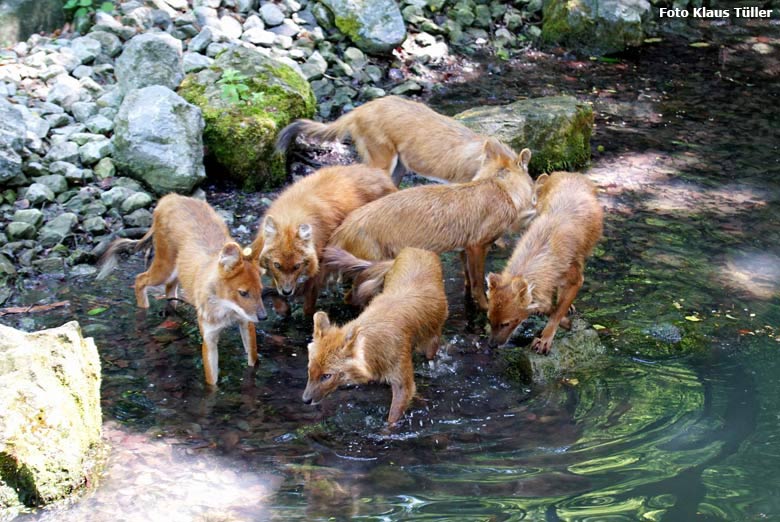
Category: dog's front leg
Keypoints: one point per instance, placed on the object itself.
(210, 333)
(249, 339)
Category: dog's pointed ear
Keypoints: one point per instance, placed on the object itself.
(519, 286)
(229, 256)
(493, 149)
(305, 232)
(269, 228)
(524, 158)
(538, 184)
(321, 324)
(493, 280)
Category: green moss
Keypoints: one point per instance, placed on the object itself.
(569, 149)
(240, 136)
(350, 26)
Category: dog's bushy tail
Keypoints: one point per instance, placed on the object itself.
(368, 277)
(109, 259)
(315, 130)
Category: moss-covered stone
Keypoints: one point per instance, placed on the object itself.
(595, 26)
(239, 135)
(50, 416)
(576, 350)
(557, 129)
(375, 26)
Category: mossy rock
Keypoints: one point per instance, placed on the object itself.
(50, 415)
(240, 135)
(595, 27)
(577, 350)
(375, 26)
(557, 129)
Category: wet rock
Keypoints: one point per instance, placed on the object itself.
(374, 26)
(240, 136)
(140, 218)
(57, 229)
(92, 152)
(33, 216)
(557, 129)
(50, 412)
(19, 230)
(150, 59)
(38, 193)
(576, 350)
(158, 139)
(596, 26)
(136, 201)
(56, 182)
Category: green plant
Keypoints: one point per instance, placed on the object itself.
(76, 9)
(235, 88)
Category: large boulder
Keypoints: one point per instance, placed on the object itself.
(246, 99)
(375, 26)
(19, 19)
(158, 139)
(12, 136)
(596, 26)
(557, 129)
(150, 59)
(50, 418)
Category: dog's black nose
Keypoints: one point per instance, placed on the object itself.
(286, 292)
(262, 315)
(306, 400)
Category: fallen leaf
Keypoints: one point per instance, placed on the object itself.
(692, 318)
(745, 332)
(98, 310)
(573, 382)
(731, 317)
(677, 305)
(598, 327)
(653, 40)
(700, 44)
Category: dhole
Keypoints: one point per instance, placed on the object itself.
(393, 134)
(377, 346)
(549, 259)
(441, 218)
(193, 249)
(299, 223)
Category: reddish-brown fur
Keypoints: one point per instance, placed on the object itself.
(377, 346)
(299, 223)
(548, 260)
(441, 218)
(193, 249)
(393, 134)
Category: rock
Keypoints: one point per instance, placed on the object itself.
(371, 93)
(158, 139)
(253, 22)
(92, 152)
(19, 19)
(136, 201)
(95, 225)
(288, 28)
(150, 59)
(82, 71)
(82, 111)
(240, 136)
(199, 43)
(38, 193)
(99, 124)
(110, 43)
(13, 133)
(244, 6)
(19, 230)
(104, 168)
(271, 14)
(409, 87)
(56, 182)
(63, 151)
(85, 48)
(231, 27)
(557, 129)
(50, 413)
(577, 350)
(63, 168)
(596, 26)
(33, 216)
(375, 26)
(194, 62)
(140, 218)
(7, 268)
(259, 36)
(65, 92)
(57, 229)
(314, 68)
(116, 195)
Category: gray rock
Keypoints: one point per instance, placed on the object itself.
(271, 14)
(92, 152)
(314, 68)
(355, 57)
(371, 93)
(116, 195)
(194, 62)
(259, 36)
(65, 169)
(18, 230)
(110, 43)
(202, 40)
(253, 22)
(82, 111)
(64, 151)
(99, 124)
(140, 218)
(33, 216)
(38, 193)
(150, 59)
(215, 48)
(287, 28)
(95, 225)
(82, 71)
(13, 132)
(65, 92)
(111, 98)
(104, 168)
(158, 139)
(57, 229)
(19, 19)
(136, 201)
(6, 268)
(56, 182)
(80, 138)
(409, 87)
(85, 48)
(207, 16)
(177, 4)
(231, 27)
(106, 22)
(56, 121)
(124, 181)
(96, 208)
(596, 26)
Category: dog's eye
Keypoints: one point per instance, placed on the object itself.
(243, 293)
(297, 266)
(505, 324)
(325, 377)
(277, 266)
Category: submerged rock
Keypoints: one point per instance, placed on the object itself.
(596, 26)
(157, 139)
(240, 132)
(375, 26)
(576, 350)
(557, 129)
(50, 414)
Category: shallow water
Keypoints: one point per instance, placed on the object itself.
(683, 423)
